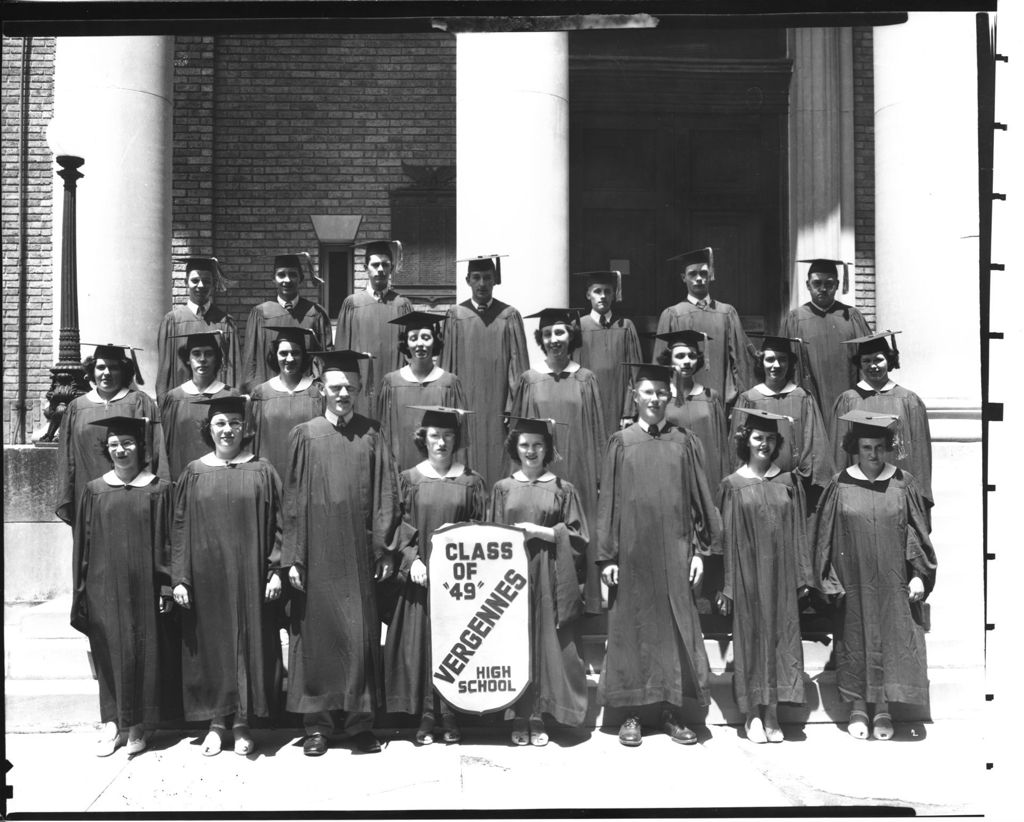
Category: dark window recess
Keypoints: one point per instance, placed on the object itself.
(423, 219)
(336, 271)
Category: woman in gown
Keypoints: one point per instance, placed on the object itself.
(561, 389)
(438, 491)
(767, 561)
(122, 584)
(872, 548)
(549, 510)
(418, 382)
(225, 563)
(877, 358)
(181, 410)
(283, 401)
(114, 375)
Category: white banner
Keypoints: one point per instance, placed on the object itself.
(479, 615)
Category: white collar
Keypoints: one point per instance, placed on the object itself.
(194, 307)
(694, 301)
(646, 427)
(284, 304)
(142, 479)
(278, 384)
(746, 472)
(481, 306)
(379, 297)
(865, 385)
(547, 476)
(212, 459)
(191, 388)
(596, 316)
(405, 372)
(764, 389)
(698, 388)
(887, 472)
(457, 470)
(571, 368)
(334, 419)
(94, 396)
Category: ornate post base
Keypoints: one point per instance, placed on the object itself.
(68, 382)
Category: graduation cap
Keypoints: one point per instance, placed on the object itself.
(650, 371)
(113, 351)
(537, 425)
(873, 343)
(135, 426)
(685, 336)
(485, 262)
(612, 279)
(209, 338)
(344, 360)
(415, 320)
(295, 334)
(821, 265)
(300, 260)
(441, 416)
(699, 256)
(551, 316)
(784, 345)
(224, 405)
(392, 249)
(760, 419)
(874, 425)
(211, 264)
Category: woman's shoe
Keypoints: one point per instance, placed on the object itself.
(106, 743)
(520, 731)
(136, 740)
(244, 743)
(425, 732)
(881, 726)
(450, 732)
(755, 730)
(538, 733)
(858, 725)
(213, 743)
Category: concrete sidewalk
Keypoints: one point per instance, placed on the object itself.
(930, 768)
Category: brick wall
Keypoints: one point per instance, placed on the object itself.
(864, 164)
(269, 130)
(37, 162)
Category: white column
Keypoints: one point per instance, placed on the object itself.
(926, 206)
(113, 106)
(821, 158)
(512, 154)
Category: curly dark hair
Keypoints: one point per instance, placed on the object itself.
(852, 438)
(419, 438)
(665, 356)
(575, 337)
(403, 341)
(759, 364)
(307, 361)
(184, 354)
(512, 447)
(140, 449)
(127, 369)
(741, 440)
(207, 437)
(891, 357)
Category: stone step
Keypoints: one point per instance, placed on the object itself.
(48, 620)
(53, 658)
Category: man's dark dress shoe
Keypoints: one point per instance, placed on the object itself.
(629, 732)
(315, 745)
(678, 733)
(366, 742)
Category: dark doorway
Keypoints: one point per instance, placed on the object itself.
(677, 140)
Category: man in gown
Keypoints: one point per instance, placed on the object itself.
(608, 342)
(287, 309)
(485, 346)
(656, 519)
(825, 324)
(728, 366)
(199, 314)
(340, 517)
(363, 318)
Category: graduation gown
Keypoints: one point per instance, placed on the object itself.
(767, 558)
(604, 351)
(304, 313)
(341, 514)
(828, 359)
(488, 353)
(870, 538)
(702, 414)
(363, 326)
(274, 412)
(575, 399)
(559, 680)
(915, 436)
(728, 363)
(171, 371)
(398, 422)
(656, 511)
(181, 415)
(225, 542)
(807, 450)
(80, 457)
(427, 503)
(121, 566)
